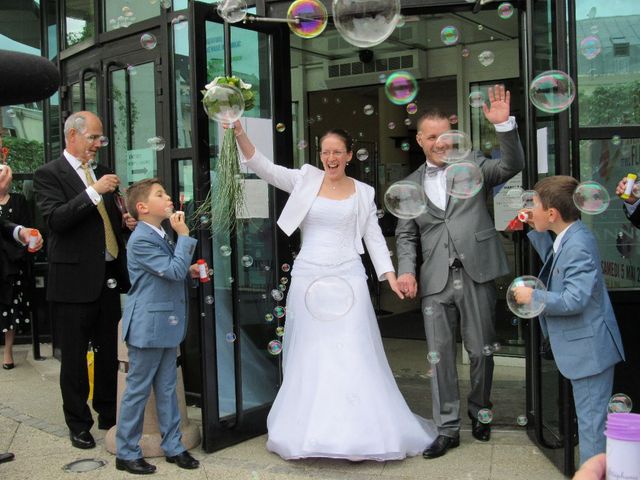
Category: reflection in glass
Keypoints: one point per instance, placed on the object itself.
(124, 13)
(80, 21)
(609, 63)
(182, 78)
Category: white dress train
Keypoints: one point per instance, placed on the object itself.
(338, 398)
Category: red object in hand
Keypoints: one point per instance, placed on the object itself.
(515, 225)
(202, 271)
(5, 154)
(33, 240)
(181, 202)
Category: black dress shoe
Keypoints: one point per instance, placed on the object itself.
(8, 366)
(6, 457)
(82, 440)
(184, 460)
(440, 446)
(480, 431)
(139, 466)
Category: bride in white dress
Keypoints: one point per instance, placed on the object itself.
(338, 398)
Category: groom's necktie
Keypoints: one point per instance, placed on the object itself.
(433, 171)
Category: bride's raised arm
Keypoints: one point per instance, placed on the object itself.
(276, 175)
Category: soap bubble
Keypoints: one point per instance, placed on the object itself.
(433, 358)
(405, 199)
(536, 306)
(486, 58)
(391, 125)
(268, 318)
(487, 350)
(527, 199)
(452, 146)
(591, 198)
(407, 122)
(148, 41)
(616, 140)
(362, 154)
(590, 47)
(277, 295)
(274, 347)
(485, 415)
(223, 103)
(619, 403)
(284, 280)
(285, 267)
(365, 23)
(401, 88)
(522, 420)
(232, 11)
(279, 312)
(453, 119)
(311, 18)
(463, 179)
(112, 283)
(514, 197)
(552, 91)
(208, 300)
(156, 143)
(465, 52)
(505, 10)
(230, 337)
(280, 331)
(247, 261)
(476, 98)
(329, 298)
(368, 109)
(282, 287)
(131, 70)
(412, 108)
(405, 146)
(225, 250)
(449, 35)
(302, 144)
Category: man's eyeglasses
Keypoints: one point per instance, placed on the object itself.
(335, 153)
(101, 139)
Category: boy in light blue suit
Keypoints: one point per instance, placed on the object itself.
(577, 318)
(153, 325)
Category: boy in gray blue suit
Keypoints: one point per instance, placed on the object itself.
(577, 318)
(153, 325)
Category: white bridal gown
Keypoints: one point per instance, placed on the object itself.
(338, 398)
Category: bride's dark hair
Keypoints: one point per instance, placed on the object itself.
(343, 134)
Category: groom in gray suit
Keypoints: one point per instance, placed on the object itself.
(461, 257)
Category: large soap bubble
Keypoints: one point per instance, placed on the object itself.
(365, 23)
(536, 306)
(307, 18)
(329, 298)
(449, 35)
(401, 88)
(232, 11)
(463, 180)
(223, 103)
(591, 198)
(405, 199)
(590, 47)
(552, 91)
(452, 145)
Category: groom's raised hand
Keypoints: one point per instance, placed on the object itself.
(499, 109)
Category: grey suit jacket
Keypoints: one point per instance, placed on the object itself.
(467, 222)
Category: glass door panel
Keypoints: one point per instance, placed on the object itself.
(133, 124)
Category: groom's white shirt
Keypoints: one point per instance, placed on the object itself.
(303, 185)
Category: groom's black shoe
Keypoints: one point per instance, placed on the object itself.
(480, 431)
(440, 446)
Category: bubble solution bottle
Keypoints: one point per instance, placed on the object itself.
(623, 446)
(202, 271)
(33, 240)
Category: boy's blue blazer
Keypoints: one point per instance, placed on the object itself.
(578, 318)
(155, 312)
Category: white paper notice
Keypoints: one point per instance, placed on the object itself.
(256, 199)
(543, 145)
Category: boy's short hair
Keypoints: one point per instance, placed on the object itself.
(139, 192)
(557, 192)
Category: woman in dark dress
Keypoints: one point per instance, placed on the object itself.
(14, 306)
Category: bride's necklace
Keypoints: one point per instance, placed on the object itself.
(334, 187)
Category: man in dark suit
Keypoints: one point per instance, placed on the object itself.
(461, 257)
(87, 271)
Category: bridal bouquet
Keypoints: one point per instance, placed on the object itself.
(225, 100)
